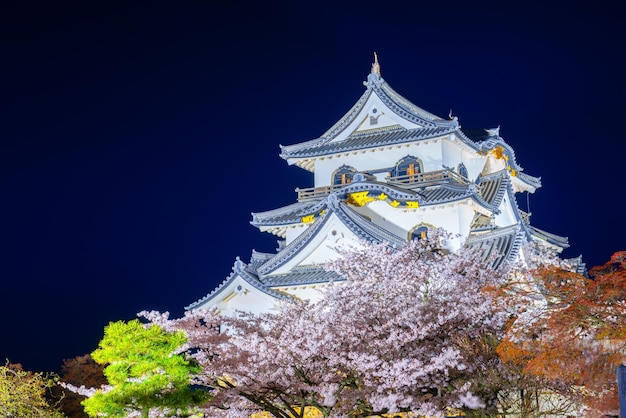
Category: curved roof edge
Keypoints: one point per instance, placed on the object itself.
(394, 101)
(357, 224)
(505, 243)
(560, 241)
(240, 269)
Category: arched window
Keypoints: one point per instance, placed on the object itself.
(343, 175)
(419, 232)
(462, 170)
(408, 166)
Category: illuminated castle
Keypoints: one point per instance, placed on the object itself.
(387, 171)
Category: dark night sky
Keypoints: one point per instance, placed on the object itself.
(136, 140)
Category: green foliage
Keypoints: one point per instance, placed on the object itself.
(22, 393)
(144, 372)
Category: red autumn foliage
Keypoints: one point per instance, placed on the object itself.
(576, 334)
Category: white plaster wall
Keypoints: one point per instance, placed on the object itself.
(385, 216)
(322, 248)
(361, 121)
(454, 153)
(454, 218)
(313, 293)
(429, 151)
(506, 216)
(451, 154)
(247, 299)
(466, 215)
(493, 165)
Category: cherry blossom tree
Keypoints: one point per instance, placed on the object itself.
(390, 335)
(419, 330)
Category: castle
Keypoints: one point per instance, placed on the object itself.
(387, 171)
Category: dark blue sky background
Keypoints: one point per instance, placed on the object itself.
(137, 139)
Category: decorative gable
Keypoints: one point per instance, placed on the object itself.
(386, 172)
(375, 115)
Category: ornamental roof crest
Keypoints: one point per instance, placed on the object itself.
(379, 111)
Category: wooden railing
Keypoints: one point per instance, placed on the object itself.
(313, 192)
(408, 181)
(426, 179)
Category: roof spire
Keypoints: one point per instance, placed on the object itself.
(376, 65)
(374, 78)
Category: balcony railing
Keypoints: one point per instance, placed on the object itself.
(409, 181)
(313, 192)
(430, 178)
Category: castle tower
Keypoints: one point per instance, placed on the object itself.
(387, 171)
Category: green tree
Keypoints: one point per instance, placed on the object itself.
(22, 393)
(144, 372)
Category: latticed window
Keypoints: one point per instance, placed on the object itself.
(343, 175)
(408, 166)
(421, 232)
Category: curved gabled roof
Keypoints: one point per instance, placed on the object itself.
(365, 140)
(488, 140)
(431, 195)
(356, 223)
(292, 214)
(402, 106)
(249, 275)
(506, 241)
(429, 125)
(287, 214)
(553, 239)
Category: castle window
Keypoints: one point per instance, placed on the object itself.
(462, 170)
(419, 232)
(343, 175)
(408, 166)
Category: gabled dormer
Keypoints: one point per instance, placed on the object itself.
(380, 118)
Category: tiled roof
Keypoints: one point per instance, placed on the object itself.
(431, 125)
(402, 106)
(533, 181)
(431, 195)
(358, 224)
(301, 276)
(493, 187)
(493, 141)
(448, 193)
(504, 243)
(294, 247)
(287, 214)
(258, 258)
(367, 230)
(551, 238)
(365, 140)
(240, 269)
(342, 123)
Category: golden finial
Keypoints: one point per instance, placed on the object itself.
(376, 65)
